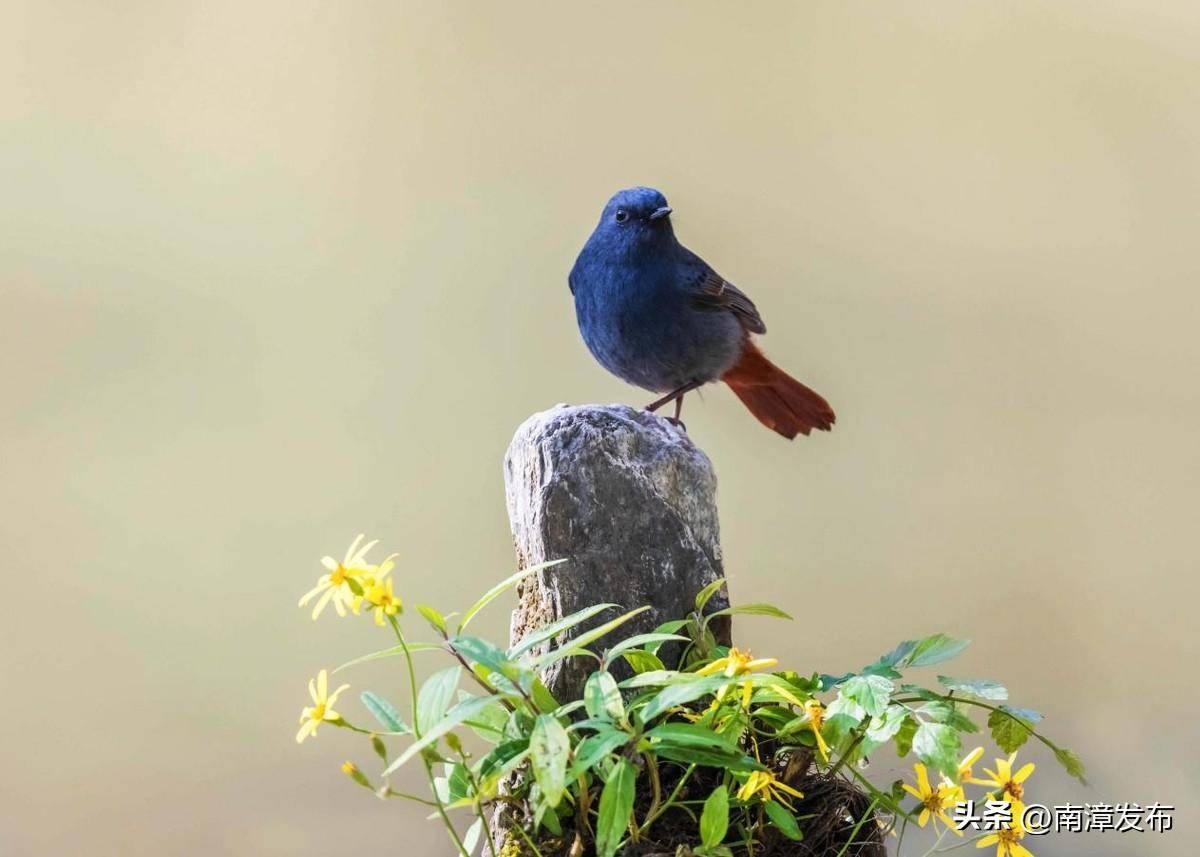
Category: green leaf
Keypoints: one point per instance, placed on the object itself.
(711, 757)
(602, 697)
(872, 692)
(841, 717)
(543, 698)
(672, 627)
(616, 807)
(1071, 762)
(501, 756)
(435, 696)
(688, 735)
(465, 710)
(500, 588)
(541, 635)
(488, 724)
(638, 640)
(681, 694)
(945, 711)
(886, 665)
(935, 649)
(691, 742)
(384, 712)
(714, 820)
(642, 661)
(594, 748)
(703, 596)
(433, 617)
(549, 750)
(482, 652)
(752, 610)
(882, 729)
(458, 781)
(1009, 731)
(658, 678)
(904, 736)
(783, 819)
(390, 652)
(1026, 714)
(938, 746)
(580, 643)
(980, 687)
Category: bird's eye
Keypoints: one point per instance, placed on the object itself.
(622, 215)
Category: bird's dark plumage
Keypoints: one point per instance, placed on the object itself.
(655, 314)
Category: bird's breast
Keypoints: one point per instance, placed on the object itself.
(640, 326)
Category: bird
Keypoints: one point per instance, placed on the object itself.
(656, 315)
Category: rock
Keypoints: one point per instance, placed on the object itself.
(630, 502)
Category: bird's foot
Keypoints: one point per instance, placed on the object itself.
(678, 423)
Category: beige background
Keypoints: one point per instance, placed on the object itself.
(273, 273)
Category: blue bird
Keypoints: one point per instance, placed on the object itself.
(655, 314)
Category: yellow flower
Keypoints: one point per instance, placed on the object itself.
(322, 708)
(372, 578)
(384, 600)
(339, 583)
(737, 663)
(765, 785)
(966, 767)
(816, 721)
(1003, 778)
(934, 801)
(1007, 840)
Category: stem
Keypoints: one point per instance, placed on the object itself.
(655, 788)
(961, 844)
(479, 805)
(585, 800)
(450, 648)
(412, 688)
(521, 830)
(846, 755)
(883, 798)
(406, 796)
(858, 827)
(653, 817)
(900, 839)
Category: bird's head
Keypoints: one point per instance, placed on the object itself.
(636, 214)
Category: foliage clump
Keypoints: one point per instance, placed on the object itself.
(719, 754)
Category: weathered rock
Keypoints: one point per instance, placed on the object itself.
(630, 502)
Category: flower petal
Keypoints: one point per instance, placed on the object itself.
(321, 603)
(922, 778)
(354, 547)
(1023, 774)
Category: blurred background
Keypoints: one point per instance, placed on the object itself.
(275, 273)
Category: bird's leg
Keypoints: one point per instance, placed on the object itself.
(677, 397)
(675, 420)
(672, 396)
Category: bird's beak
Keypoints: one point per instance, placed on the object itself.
(660, 213)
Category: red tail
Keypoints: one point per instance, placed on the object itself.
(780, 402)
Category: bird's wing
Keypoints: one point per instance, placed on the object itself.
(714, 292)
